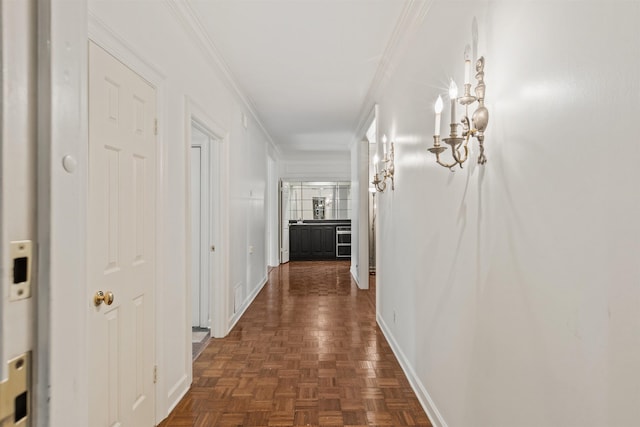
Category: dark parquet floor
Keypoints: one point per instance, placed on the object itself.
(307, 352)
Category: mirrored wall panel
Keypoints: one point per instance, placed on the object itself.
(319, 200)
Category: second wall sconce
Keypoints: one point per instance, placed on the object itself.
(380, 177)
(474, 128)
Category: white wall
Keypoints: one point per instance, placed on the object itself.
(18, 50)
(360, 213)
(310, 166)
(17, 160)
(154, 32)
(355, 211)
(515, 284)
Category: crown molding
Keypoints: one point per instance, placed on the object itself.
(410, 20)
(103, 35)
(187, 17)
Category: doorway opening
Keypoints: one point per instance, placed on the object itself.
(315, 220)
(371, 136)
(284, 215)
(201, 247)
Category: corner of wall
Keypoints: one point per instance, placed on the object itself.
(177, 392)
(421, 392)
(246, 303)
(354, 273)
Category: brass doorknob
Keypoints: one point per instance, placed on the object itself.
(100, 297)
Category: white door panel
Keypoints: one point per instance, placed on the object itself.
(121, 243)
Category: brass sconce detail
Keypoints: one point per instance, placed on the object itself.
(474, 128)
(380, 178)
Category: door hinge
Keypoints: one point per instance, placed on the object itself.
(155, 374)
(155, 127)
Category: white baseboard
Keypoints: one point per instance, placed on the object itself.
(423, 396)
(365, 283)
(177, 392)
(247, 302)
(354, 274)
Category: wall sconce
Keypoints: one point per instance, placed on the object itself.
(380, 178)
(479, 119)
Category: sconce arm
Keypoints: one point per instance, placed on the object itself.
(450, 167)
(466, 154)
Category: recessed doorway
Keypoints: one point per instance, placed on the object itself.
(201, 247)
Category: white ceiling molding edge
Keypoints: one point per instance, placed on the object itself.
(99, 32)
(410, 19)
(194, 28)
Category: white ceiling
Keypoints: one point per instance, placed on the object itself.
(306, 65)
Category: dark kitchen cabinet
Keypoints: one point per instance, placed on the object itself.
(312, 241)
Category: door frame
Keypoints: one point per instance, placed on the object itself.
(62, 338)
(205, 225)
(102, 36)
(218, 235)
(281, 215)
(204, 218)
(272, 240)
(60, 351)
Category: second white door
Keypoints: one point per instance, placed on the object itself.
(121, 244)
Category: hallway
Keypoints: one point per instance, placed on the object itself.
(306, 352)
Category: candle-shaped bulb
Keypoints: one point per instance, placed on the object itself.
(453, 94)
(453, 90)
(439, 105)
(376, 159)
(438, 109)
(467, 65)
(384, 145)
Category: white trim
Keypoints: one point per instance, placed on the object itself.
(188, 18)
(105, 37)
(247, 302)
(62, 130)
(376, 225)
(361, 150)
(272, 201)
(207, 158)
(178, 391)
(410, 19)
(218, 203)
(354, 274)
(421, 392)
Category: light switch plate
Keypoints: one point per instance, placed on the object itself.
(21, 266)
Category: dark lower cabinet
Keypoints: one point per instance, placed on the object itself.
(323, 242)
(299, 243)
(310, 242)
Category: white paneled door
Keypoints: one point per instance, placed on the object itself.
(121, 244)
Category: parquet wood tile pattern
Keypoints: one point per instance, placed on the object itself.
(307, 352)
